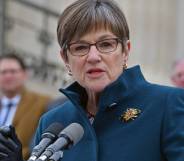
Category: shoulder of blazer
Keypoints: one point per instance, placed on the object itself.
(34, 96)
(30, 102)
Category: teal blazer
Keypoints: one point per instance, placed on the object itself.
(136, 121)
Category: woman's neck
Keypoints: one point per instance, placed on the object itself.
(92, 104)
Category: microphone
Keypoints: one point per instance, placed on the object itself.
(48, 137)
(56, 156)
(70, 136)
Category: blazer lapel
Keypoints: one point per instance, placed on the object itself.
(21, 107)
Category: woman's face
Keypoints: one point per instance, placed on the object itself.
(95, 70)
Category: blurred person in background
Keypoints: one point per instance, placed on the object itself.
(19, 106)
(177, 76)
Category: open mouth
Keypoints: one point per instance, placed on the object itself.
(95, 72)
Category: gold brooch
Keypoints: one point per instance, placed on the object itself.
(130, 114)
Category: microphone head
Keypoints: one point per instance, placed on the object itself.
(5, 130)
(53, 129)
(74, 131)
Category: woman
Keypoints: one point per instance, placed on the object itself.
(124, 117)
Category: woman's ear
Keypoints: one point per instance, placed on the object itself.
(127, 50)
(63, 56)
(128, 45)
(126, 53)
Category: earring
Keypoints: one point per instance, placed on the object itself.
(69, 72)
(124, 66)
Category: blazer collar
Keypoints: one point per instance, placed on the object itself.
(127, 84)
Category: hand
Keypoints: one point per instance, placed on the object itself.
(10, 145)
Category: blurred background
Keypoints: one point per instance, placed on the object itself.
(29, 28)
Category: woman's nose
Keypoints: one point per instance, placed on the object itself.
(93, 55)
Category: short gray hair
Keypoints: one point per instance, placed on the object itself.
(83, 16)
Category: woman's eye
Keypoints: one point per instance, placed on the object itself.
(80, 48)
(105, 44)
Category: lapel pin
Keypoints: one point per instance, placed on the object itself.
(130, 114)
